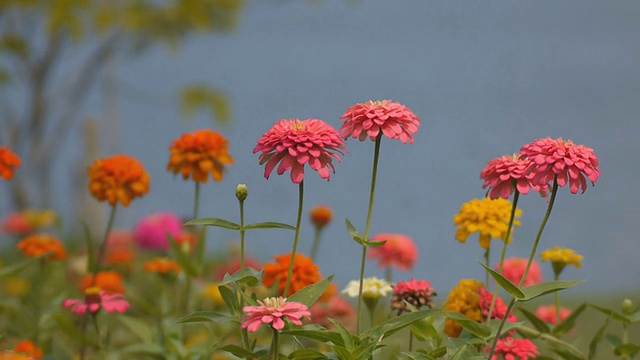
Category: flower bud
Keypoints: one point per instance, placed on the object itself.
(320, 216)
(627, 306)
(241, 192)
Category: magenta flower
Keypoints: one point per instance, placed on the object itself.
(514, 349)
(295, 143)
(273, 311)
(503, 175)
(399, 251)
(571, 163)
(96, 299)
(151, 232)
(417, 293)
(513, 269)
(393, 119)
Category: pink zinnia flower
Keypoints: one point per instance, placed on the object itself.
(548, 314)
(393, 119)
(96, 299)
(513, 269)
(417, 293)
(337, 309)
(273, 311)
(499, 309)
(569, 162)
(514, 349)
(504, 174)
(16, 224)
(151, 232)
(399, 251)
(295, 143)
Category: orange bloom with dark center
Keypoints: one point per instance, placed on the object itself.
(41, 245)
(162, 266)
(305, 273)
(9, 162)
(116, 179)
(109, 281)
(199, 154)
(320, 216)
(27, 347)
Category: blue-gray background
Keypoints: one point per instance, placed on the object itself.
(484, 77)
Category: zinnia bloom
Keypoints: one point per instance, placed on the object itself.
(199, 154)
(548, 314)
(116, 179)
(504, 174)
(320, 216)
(393, 119)
(12, 355)
(464, 299)
(305, 273)
(489, 218)
(151, 232)
(417, 293)
(105, 280)
(499, 309)
(16, 224)
(372, 288)
(336, 308)
(42, 245)
(561, 257)
(9, 162)
(162, 266)
(273, 311)
(27, 347)
(96, 299)
(571, 164)
(118, 256)
(399, 251)
(514, 349)
(513, 269)
(295, 143)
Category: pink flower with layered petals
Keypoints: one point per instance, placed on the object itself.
(513, 269)
(294, 143)
(514, 349)
(393, 119)
(499, 310)
(418, 293)
(505, 174)
(96, 299)
(400, 251)
(548, 314)
(273, 311)
(151, 232)
(572, 164)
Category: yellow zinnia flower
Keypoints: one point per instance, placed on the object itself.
(489, 218)
(464, 299)
(561, 257)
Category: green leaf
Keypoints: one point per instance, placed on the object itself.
(269, 225)
(307, 354)
(214, 222)
(199, 250)
(418, 356)
(91, 251)
(439, 352)
(324, 336)
(308, 295)
(566, 354)
(355, 234)
(593, 344)
(207, 316)
(535, 321)
(182, 258)
(568, 323)
(505, 283)
(236, 350)
(424, 330)
(613, 340)
(536, 291)
(394, 324)
(347, 338)
(477, 329)
(144, 349)
(626, 350)
(374, 244)
(230, 299)
(16, 268)
(612, 314)
(138, 327)
(250, 278)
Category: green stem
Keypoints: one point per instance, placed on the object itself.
(486, 263)
(37, 292)
(103, 246)
(410, 341)
(244, 333)
(495, 341)
(196, 201)
(94, 317)
(316, 244)
(514, 207)
(273, 351)
(535, 334)
(374, 173)
(556, 276)
(295, 239)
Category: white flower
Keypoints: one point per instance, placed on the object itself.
(372, 288)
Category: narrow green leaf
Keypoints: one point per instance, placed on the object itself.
(311, 293)
(324, 336)
(535, 321)
(199, 250)
(181, 257)
(250, 278)
(207, 316)
(346, 336)
(505, 283)
(568, 323)
(374, 244)
(236, 350)
(214, 222)
(418, 356)
(439, 352)
(595, 341)
(91, 251)
(230, 299)
(613, 340)
(612, 314)
(355, 234)
(424, 330)
(307, 354)
(477, 329)
(269, 225)
(394, 324)
(16, 268)
(536, 291)
(138, 327)
(626, 350)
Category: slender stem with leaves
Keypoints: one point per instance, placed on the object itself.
(295, 239)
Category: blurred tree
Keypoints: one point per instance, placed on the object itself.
(54, 52)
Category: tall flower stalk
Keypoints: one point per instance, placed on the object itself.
(295, 238)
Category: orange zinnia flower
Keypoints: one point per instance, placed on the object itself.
(40, 245)
(119, 178)
(162, 266)
(199, 154)
(305, 273)
(105, 280)
(9, 161)
(27, 347)
(118, 255)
